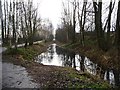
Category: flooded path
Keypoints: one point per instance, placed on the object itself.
(14, 76)
(58, 56)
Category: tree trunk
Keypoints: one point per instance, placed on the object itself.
(34, 26)
(13, 22)
(5, 19)
(26, 25)
(108, 22)
(74, 21)
(98, 25)
(82, 20)
(117, 32)
(117, 35)
(2, 25)
(8, 22)
(30, 25)
(15, 33)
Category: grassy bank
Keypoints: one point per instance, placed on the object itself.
(106, 60)
(65, 77)
(24, 55)
(51, 76)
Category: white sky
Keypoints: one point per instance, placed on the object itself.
(50, 9)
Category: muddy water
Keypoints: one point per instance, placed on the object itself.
(14, 76)
(61, 57)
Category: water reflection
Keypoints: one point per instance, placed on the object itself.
(50, 57)
(58, 56)
(110, 77)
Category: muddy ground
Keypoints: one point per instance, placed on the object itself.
(54, 76)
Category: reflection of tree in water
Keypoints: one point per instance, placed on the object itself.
(51, 56)
(68, 56)
(117, 77)
(72, 56)
(51, 52)
(40, 57)
(60, 51)
(82, 67)
(50, 49)
(69, 59)
(113, 76)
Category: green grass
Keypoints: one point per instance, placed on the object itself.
(27, 53)
(84, 80)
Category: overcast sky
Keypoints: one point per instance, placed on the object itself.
(50, 9)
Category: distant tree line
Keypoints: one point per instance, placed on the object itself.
(20, 22)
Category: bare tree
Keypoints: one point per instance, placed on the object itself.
(108, 24)
(117, 32)
(74, 21)
(98, 24)
(8, 19)
(5, 19)
(82, 21)
(2, 25)
(13, 22)
(67, 20)
(30, 22)
(26, 25)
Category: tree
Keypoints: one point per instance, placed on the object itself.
(82, 21)
(67, 20)
(19, 22)
(13, 20)
(117, 43)
(117, 31)
(74, 21)
(103, 39)
(5, 18)
(8, 19)
(108, 25)
(26, 25)
(30, 22)
(34, 25)
(98, 24)
(1, 17)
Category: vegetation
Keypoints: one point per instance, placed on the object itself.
(96, 32)
(95, 37)
(86, 27)
(20, 23)
(54, 77)
(90, 25)
(66, 77)
(24, 56)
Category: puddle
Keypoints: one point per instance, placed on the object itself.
(14, 76)
(60, 57)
